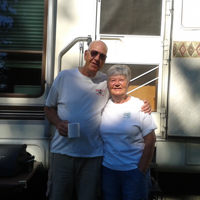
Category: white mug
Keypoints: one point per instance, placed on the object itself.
(73, 130)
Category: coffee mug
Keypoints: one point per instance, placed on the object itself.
(73, 130)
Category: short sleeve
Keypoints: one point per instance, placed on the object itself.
(52, 97)
(147, 123)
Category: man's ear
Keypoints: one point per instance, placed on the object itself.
(85, 54)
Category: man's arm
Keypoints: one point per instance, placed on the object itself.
(148, 151)
(146, 108)
(52, 116)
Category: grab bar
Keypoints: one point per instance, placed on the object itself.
(70, 45)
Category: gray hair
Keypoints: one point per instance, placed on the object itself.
(123, 70)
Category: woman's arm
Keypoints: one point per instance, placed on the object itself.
(148, 151)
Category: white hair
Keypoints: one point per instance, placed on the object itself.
(123, 70)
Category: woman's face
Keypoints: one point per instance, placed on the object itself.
(118, 85)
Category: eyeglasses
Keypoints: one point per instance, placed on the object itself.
(94, 53)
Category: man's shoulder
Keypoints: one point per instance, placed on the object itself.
(64, 75)
(67, 72)
(100, 76)
(101, 73)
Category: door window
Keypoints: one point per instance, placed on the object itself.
(131, 17)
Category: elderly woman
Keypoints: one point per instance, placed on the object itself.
(129, 139)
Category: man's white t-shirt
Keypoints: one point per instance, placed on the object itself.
(80, 99)
(122, 129)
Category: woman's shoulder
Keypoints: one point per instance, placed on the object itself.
(136, 101)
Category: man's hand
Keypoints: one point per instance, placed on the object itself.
(53, 118)
(146, 108)
(62, 127)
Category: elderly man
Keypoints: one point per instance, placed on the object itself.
(79, 94)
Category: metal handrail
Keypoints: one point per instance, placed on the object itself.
(143, 85)
(141, 76)
(88, 39)
(144, 74)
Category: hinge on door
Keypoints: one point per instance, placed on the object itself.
(165, 44)
(169, 7)
(166, 51)
(163, 122)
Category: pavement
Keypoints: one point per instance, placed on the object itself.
(179, 186)
(174, 186)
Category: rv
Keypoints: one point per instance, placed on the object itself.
(158, 39)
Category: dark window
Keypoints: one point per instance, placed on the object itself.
(22, 47)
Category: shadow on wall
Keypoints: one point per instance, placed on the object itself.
(184, 98)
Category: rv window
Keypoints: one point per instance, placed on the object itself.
(190, 13)
(148, 91)
(22, 47)
(131, 17)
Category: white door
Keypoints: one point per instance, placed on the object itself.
(134, 32)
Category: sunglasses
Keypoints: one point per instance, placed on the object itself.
(94, 53)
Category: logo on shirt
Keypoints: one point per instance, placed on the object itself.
(127, 115)
(100, 92)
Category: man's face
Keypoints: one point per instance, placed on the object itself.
(95, 57)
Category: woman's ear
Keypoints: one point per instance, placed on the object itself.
(128, 86)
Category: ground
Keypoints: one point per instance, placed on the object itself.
(174, 186)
